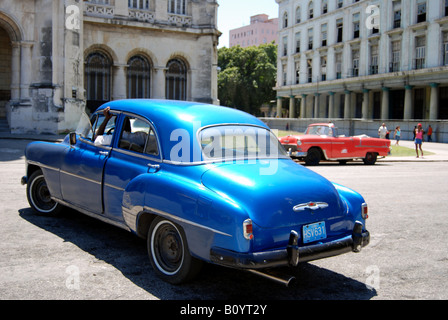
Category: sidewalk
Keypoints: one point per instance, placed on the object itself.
(440, 150)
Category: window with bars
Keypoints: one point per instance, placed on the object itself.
(420, 53)
(323, 67)
(340, 29)
(338, 65)
(356, 26)
(176, 80)
(138, 4)
(138, 78)
(445, 48)
(310, 39)
(97, 77)
(297, 73)
(421, 11)
(396, 56)
(310, 70)
(177, 6)
(324, 34)
(374, 59)
(355, 59)
(297, 42)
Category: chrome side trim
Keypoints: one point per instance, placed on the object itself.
(173, 217)
(93, 215)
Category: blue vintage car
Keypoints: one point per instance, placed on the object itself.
(201, 183)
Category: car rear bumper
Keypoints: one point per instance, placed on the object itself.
(293, 254)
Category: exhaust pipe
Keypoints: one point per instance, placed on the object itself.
(283, 279)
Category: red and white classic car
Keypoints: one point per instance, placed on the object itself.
(322, 142)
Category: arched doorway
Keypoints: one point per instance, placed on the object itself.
(5, 71)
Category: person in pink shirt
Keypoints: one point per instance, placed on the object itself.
(419, 139)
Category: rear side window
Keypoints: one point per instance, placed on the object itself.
(138, 135)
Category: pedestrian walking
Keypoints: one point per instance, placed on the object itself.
(397, 135)
(419, 139)
(429, 134)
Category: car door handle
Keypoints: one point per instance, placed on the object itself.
(104, 153)
(154, 166)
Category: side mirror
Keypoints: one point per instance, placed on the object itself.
(72, 138)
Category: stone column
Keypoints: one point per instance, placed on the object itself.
(159, 83)
(316, 105)
(119, 82)
(347, 104)
(25, 70)
(434, 104)
(292, 106)
(15, 72)
(385, 104)
(365, 104)
(279, 107)
(303, 106)
(408, 105)
(331, 105)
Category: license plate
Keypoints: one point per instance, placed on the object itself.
(313, 232)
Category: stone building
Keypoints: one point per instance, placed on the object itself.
(357, 59)
(61, 57)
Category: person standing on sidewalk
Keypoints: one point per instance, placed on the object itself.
(419, 139)
(429, 134)
(382, 131)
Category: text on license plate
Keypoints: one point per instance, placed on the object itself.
(313, 232)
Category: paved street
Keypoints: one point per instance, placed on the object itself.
(77, 257)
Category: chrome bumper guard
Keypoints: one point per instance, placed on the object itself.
(292, 254)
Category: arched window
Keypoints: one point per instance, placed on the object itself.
(176, 80)
(311, 10)
(138, 78)
(97, 79)
(285, 20)
(298, 15)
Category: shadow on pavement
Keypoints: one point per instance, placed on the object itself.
(127, 253)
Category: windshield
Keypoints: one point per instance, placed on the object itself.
(239, 142)
(319, 130)
(84, 128)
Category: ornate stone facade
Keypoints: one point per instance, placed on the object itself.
(60, 57)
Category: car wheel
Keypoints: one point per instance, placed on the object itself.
(313, 157)
(169, 254)
(370, 158)
(39, 196)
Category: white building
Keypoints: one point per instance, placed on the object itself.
(60, 56)
(349, 59)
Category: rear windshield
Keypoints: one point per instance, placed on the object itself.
(230, 142)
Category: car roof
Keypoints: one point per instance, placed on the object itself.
(168, 116)
(181, 114)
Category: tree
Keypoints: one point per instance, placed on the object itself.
(247, 76)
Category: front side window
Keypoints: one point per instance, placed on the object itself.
(137, 135)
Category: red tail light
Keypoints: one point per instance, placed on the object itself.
(247, 229)
(364, 211)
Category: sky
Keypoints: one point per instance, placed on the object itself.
(236, 13)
